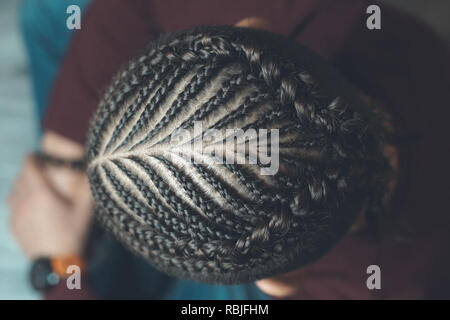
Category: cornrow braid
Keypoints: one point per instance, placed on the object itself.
(218, 215)
(139, 101)
(242, 209)
(196, 84)
(191, 221)
(213, 221)
(166, 86)
(228, 89)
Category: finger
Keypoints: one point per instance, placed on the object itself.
(255, 23)
(84, 203)
(35, 179)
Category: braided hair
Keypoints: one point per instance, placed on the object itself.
(226, 222)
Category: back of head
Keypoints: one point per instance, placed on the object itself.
(311, 158)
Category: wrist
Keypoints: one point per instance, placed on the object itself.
(61, 264)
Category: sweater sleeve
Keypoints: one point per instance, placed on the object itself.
(112, 32)
(61, 292)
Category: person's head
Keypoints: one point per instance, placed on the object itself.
(194, 217)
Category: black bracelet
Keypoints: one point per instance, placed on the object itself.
(74, 164)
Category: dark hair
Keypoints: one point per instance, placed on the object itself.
(227, 223)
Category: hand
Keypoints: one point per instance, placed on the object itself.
(45, 222)
(283, 285)
(255, 23)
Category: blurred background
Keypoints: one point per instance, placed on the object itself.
(18, 132)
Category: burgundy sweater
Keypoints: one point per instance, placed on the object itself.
(404, 65)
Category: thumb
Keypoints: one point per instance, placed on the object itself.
(34, 176)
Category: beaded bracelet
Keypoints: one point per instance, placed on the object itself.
(74, 164)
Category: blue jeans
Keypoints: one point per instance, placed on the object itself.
(117, 273)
